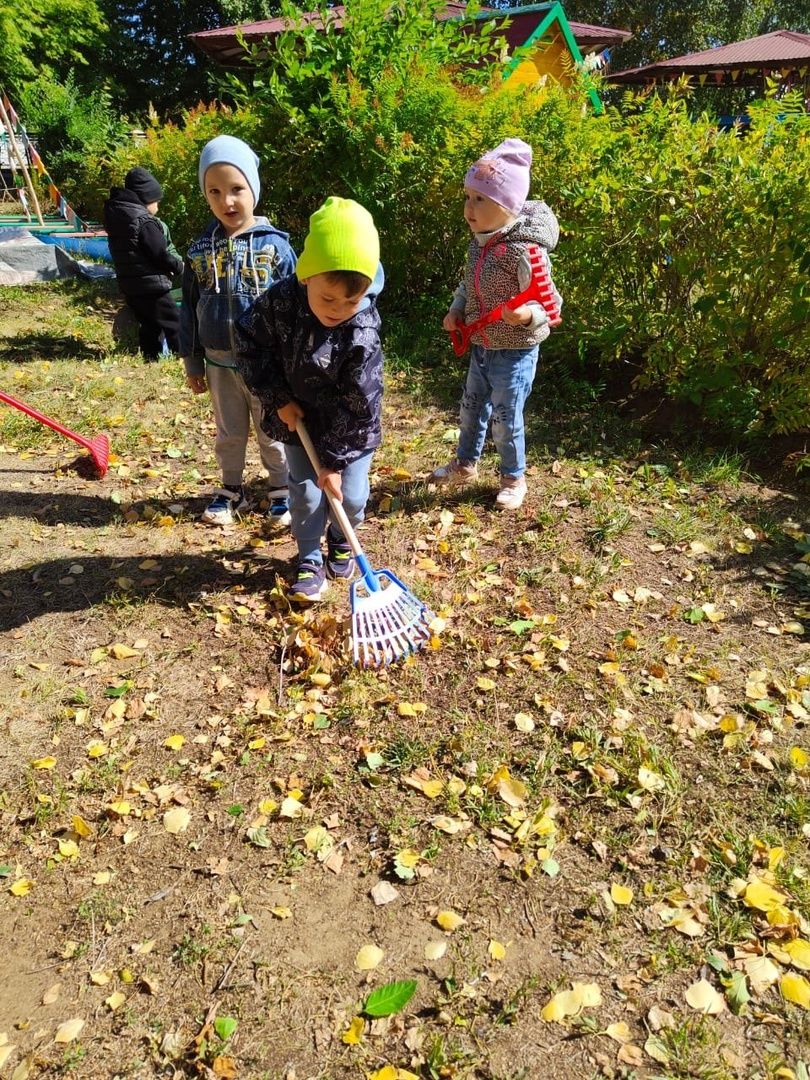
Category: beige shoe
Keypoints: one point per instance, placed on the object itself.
(512, 493)
(457, 472)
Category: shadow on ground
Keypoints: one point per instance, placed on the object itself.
(47, 587)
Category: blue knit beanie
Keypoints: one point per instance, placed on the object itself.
(228, 150)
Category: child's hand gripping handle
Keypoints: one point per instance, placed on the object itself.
(369, 577)
(539, 290)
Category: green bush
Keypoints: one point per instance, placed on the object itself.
(73, 126)
(683, 250)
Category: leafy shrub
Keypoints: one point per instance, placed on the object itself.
(72, 125)
(683, 251)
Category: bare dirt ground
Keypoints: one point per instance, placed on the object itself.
(578, 821)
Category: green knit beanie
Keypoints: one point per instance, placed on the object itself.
(342, 236)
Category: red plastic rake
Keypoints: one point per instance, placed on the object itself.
(539, 289)
(99, 447)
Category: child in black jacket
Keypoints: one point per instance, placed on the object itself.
(145, 260)
(310, 348)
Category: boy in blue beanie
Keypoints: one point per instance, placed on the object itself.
(236, 259)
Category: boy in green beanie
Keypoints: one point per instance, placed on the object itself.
(310, 348)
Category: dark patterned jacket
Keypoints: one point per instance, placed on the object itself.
(334, 373)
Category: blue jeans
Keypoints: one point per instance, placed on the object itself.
(498, 383)
(309, 508)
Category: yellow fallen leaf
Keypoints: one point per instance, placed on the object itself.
(68, 1031)
(368, 958)
(562, 644)
(650, 780)
(432, 789)
(524, 722)
(121, 808)
(483, 683)
(354, 1032)
(96, 749)
(795, 988)
(435, 950)
(799, 953)
(21, 887)
(291, 808)
(122, 652)
(512, 791)
(758, 894)
(703, 997)
(68, 849)
(320, 678)
(448, 825)
(281, 912)
(100, 978)
(621, 894)
(103, 877)
(81, 828)
(799, 758)
(571, 1002)
(450, 920)
(115, 1000)
(497, 950)
(43, 762)
(619, 1032)
(411, 708)
(177, 820)
(390, 1072)
(174, 742)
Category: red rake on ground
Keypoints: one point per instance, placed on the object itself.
(539, 289)
(99, 447)
(388, 620)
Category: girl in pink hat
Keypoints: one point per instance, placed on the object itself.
(504, 354)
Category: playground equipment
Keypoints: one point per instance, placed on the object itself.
(540, 290)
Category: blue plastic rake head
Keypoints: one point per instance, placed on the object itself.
(388, 620)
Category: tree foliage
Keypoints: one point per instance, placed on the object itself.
(48, 38)
(662, 29)
(148, 57)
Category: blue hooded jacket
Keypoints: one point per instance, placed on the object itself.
(223, 276)
(334, 373)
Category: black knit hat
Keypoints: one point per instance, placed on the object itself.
(141, 183)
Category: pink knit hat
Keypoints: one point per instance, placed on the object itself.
(503, 174)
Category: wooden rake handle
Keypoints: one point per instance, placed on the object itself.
(336, 506)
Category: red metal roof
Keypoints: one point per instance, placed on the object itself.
(780, 48)
(223, 46)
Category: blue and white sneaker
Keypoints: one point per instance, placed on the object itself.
(227, 502)
(310, 583)
(278, 516)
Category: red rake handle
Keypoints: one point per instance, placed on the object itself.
(99, 447)
(539, 289)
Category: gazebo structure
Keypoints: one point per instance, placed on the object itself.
(782, 54)
(557, 46)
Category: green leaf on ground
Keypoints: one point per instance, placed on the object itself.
(389, 999)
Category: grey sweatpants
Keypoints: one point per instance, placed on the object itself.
(234, 407)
